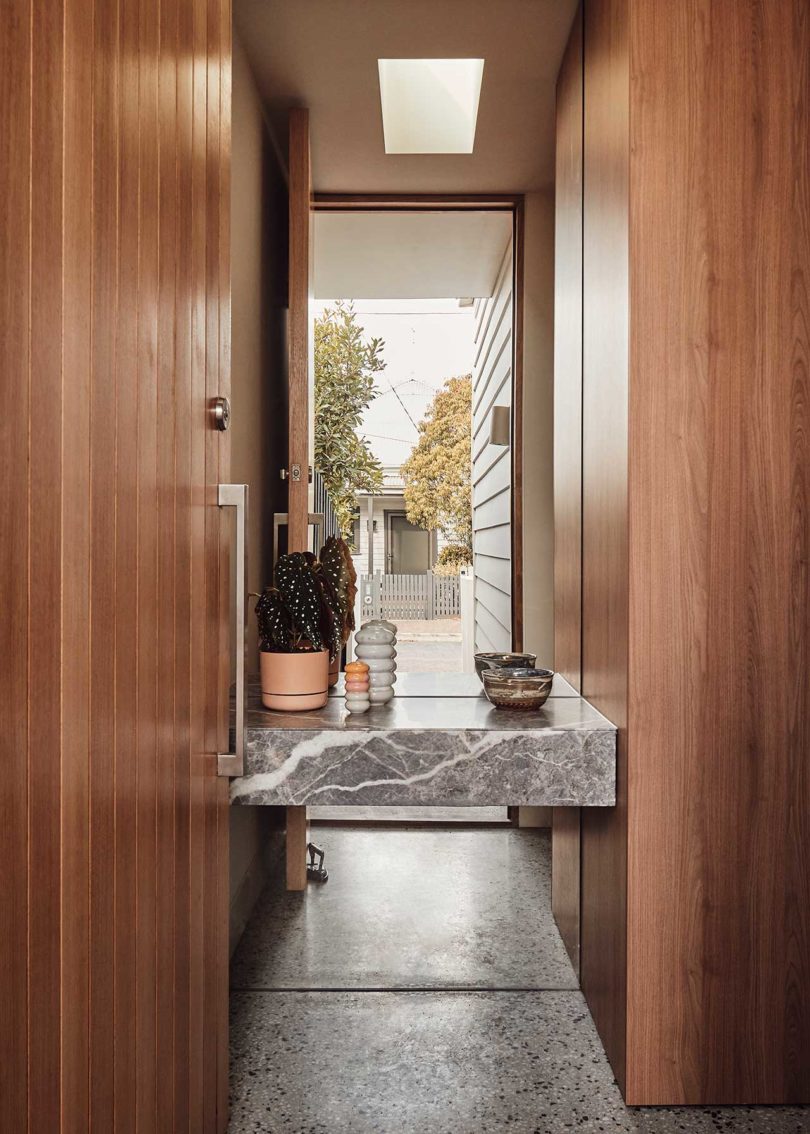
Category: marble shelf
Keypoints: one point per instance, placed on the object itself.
(438, 743)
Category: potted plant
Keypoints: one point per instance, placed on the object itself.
(300, 629)
(338, 566)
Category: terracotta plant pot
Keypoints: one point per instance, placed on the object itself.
(334, 671)
(295, 682)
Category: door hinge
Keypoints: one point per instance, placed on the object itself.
(294, 474)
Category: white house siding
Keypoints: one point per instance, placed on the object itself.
(492, 466)
(360, 555)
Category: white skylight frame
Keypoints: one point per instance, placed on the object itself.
(430, 106)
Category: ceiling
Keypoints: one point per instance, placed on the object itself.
(395, 255)
(323, 54)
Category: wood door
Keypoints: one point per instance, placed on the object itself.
(114, 336)
(300, 368)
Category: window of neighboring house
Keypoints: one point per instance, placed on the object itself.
(356, 535)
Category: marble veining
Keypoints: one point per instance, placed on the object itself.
(431, 751)
(450, 768)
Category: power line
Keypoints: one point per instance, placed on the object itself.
(399, 399)
(384, 437)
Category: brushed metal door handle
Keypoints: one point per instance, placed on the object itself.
(236, 496)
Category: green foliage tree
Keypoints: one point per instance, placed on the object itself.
(345, 365)
(437, 473)
(452, 557)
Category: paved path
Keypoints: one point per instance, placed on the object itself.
(429, 629)
(428, 657)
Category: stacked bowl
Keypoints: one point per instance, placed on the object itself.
(375, 646)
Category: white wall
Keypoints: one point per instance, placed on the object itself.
(538, 427)
(361, 555)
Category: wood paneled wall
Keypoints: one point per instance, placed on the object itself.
(259, 253)
(114, 336)
(492, 465)
(300, 348)
(719, 819)
(568, 363)
(696, 542)
(604, 502)
(568, 203)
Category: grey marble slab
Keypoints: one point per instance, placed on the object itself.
(438, 751)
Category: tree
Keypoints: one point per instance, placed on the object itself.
(437, 473)
(345, 365)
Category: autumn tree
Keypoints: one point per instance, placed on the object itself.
(437, 473)
(345, 365)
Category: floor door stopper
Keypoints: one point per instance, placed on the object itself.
(315, 873)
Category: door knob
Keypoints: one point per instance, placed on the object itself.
(221, 411)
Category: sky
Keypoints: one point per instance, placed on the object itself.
(426, 341)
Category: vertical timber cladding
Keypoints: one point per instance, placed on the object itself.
(568, 363)
(696, 538)
(566, 821)
(604, 502)
(719, 730)
(115, 120)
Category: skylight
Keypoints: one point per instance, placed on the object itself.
(430, 106)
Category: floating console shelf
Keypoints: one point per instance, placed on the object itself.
(438, 743)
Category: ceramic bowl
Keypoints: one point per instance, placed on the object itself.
(501, 661)
(517, 688)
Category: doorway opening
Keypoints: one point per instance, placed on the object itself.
(435, 529)
(419, 902)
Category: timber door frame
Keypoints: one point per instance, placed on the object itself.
(472, 202)
(299, 374)
(299, 385)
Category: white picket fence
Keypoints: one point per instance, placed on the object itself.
(424, 596)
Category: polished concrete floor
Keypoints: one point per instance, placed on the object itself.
(443, 816)
(425, 988)
(412, 909)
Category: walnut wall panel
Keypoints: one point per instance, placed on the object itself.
(604, 502)
(114, 332)
(45, 503)
(719, 819)
(15, 256)
(568, 203)
(568, 362)
(696, 539)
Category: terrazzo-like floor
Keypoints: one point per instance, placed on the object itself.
(441, 1063)
(447, 912)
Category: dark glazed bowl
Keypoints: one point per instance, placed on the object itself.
(503, 661)
(517, 688)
